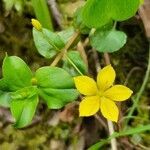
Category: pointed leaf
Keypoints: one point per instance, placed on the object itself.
(47, 42)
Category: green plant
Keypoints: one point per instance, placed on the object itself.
(22, 89)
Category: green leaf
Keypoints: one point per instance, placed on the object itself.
(122, 10)
(141, 2)
(24, 93)
(9, 4)
(55, 86)
(53, 77)
(130, 131)
(42, 13)
(65, 35)
(17, 4)
(75, 57)
(57, 98)
(23, 106)
(5, 99)
(78, 21)
(97, 13)
(108, 41)
(16, 73)
(47, 43)
(4, 94)
(3, 85)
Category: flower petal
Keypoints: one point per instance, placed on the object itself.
(109, 109)
(106, 77)
(85, 85)
(89, 106)
(118, 93)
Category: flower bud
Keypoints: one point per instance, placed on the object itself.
(36, 24)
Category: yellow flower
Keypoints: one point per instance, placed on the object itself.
(36, 24)
(101, 95)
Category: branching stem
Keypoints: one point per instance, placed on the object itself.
(64, 50)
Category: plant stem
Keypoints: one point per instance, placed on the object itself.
(139, 94)
(111, 131)
(115, 24)
(72, 63)
(55, 11)
(131, 131)
(101, 121)
(110, 123)
(64, 50)
(82, 52)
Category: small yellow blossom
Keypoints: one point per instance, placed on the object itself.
(101, 95)
(36, 24)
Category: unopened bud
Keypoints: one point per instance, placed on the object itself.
(34, 81)
(36, 24)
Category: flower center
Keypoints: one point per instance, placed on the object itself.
(100, 93)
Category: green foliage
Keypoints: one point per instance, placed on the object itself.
(56, 88)
(16, 73)
(20, 90)
(76, 59)
(141, 1)
(97, 13)
(5, 99)
(108, 41)
(130, 131)
(17, 4)
(3, 85)
(122, 10)
(4, 94)
(23, 105)
(65, 35)
(54, 77)
(78, 21)
(47, 42)
(57, 98)
(42, 13)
